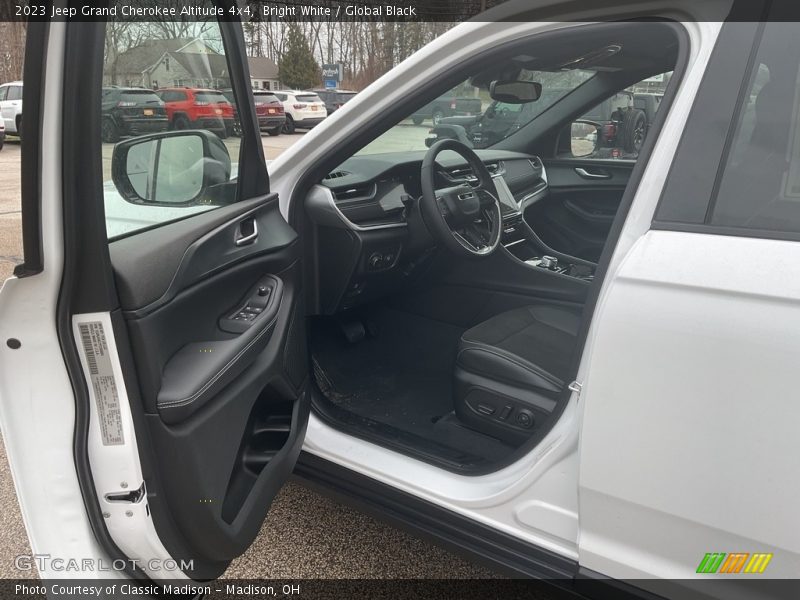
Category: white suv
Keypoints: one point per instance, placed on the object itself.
(303, 110)
(11, 106)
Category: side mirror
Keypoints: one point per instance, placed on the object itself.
(173, 168)
(515, 92)
(584, 137)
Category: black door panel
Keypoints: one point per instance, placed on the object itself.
(153, 266)
(218, 344)
(576, 216)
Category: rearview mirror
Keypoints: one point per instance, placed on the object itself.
(515, 92)
(174, 168)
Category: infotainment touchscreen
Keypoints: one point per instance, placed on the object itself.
(504, 195)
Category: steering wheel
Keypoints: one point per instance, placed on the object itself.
(466, 218)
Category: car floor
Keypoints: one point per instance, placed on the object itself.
(400, 375)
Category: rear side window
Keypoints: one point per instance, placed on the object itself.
(3, 93)
(14, 92)
(759, 184)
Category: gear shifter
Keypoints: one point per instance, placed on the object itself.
(549, 262)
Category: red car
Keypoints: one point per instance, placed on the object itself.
(196, 108)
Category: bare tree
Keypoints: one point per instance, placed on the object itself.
(12, 50)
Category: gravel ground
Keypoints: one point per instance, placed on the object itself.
(305, 536)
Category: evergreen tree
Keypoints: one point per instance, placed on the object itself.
(297, 68)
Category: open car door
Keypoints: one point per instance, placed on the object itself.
(180, 311)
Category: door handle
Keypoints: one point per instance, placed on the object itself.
(247, 232)
(589, 175)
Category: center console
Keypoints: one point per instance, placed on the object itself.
(521, 242)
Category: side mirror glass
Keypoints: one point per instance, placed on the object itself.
(583, 138)
(515, 92)
(174, 168)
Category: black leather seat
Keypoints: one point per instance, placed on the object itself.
(510, 369)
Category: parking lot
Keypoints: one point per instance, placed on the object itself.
(306, 535)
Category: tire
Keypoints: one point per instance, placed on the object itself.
(417, 120)
(2, 141)
(437, 116)
(274, 132)
(634, 130)
(180, 122)
(19, 126)
(288, 127)
(109, 131)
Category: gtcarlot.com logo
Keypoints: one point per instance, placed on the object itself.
(46, 562)
(735, 562)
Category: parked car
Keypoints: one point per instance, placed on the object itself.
(198, 108)
(567, 367)
(447, 105)
(334, 98)
(131, 111)
(269, 110)
(303, 110)
(11, 107)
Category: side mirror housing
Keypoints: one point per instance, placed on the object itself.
(515, 92)
(173, 168)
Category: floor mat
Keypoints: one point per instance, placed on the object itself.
(399, 375)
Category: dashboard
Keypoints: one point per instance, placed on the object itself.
(370, 235)
(374, 190)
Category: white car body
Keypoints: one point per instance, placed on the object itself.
(303, 113)
(11, 105)
(685, 354)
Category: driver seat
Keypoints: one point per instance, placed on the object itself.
(511, 368)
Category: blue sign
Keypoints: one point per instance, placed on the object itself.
(330, 84)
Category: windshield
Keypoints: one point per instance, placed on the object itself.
(211, 97)
(467, 112)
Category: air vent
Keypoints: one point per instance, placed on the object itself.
(356, 192)
(337, 174)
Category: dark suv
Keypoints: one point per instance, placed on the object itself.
(131, 111)
(269, 110)
(197, 108)
(334, 99)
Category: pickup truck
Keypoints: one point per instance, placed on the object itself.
(447, 106)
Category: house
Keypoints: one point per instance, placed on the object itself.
(263, 73)
(169, 62)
